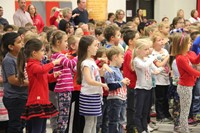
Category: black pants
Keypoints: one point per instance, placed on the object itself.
(162, 105)
(142, 106)
(130, 110)
(37, 125)
(15, 107)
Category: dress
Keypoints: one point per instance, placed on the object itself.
(38, 104)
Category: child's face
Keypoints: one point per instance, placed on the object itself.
(144, 52)
(63, 43)
(117, 38)
(17, 45)
(165, 29)
(39, 55)
(92, 31)
(100, 37)
(159, 42)
(180, 24)
(104, 57)
(75, 45)
(92, 49)
(119, 60)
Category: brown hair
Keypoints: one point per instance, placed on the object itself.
(114, 50)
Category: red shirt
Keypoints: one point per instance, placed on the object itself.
(38, 77)
(38, 22)
(128, 72)
(54, 18)
(187, 73)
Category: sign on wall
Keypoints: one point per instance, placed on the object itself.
(97, 9)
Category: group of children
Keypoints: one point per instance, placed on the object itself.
(107, 80)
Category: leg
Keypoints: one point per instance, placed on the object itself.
(130, 110)
(15, 107)
(105, 116)
(90, 124)
(196, 98)
(38, 125)
(185, 94)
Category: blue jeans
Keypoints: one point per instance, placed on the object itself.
(142, 108)
(196, 98)
(116, 115)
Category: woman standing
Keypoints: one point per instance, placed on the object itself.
(37, 19)
(119, 15)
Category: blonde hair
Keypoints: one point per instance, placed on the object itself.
(66, 11)
(155, 36)
(118, 12)
(139, 45)
(163, 24)
(180, 43)
(30, 35)
(149, 29)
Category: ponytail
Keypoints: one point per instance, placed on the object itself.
(21, 65)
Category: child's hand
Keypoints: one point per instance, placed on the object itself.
(57, 61)
(105, 86)
(56, 74)
(155, 72)
(105, 67)
(125, 81)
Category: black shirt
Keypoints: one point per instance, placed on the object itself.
(3, 21)
(83, 16)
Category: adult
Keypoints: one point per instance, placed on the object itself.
(21, 17)
(140, 14)
(119, 16)
(180, 13)
(3, 21)
(111, 17)
(81, 11)
(194, 16)
(36, 18)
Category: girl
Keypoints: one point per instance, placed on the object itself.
(180, 47)
(38, 108)
(64, 84)
(143, 67)
(162, 79)
(88, 76)
(15, 93)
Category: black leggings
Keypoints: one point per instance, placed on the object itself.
(37, 125)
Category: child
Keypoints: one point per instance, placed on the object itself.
(102, 121)
(162, 79)
(15, 93)
(38, 107)
(91, 87)
(76, 122)
(100, 37)
(112, 35)
(180, 47)
(117, 90)
(129, 38)
(64, 84)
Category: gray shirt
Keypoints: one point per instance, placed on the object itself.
(9, 68)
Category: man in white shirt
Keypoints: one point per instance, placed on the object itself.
(21, 17)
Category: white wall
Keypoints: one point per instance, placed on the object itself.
(9, 9)
(169, 8)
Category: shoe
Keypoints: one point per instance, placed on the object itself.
(153, 114)
(153, 126)
(149, 128)
(144, 131)
(192, 121)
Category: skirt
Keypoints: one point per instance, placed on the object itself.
(90, 105)
(39, 110)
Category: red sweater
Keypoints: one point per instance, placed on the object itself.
(128, 72)
(38, 92)
(187, 73)
(38, 22)
(54, 18)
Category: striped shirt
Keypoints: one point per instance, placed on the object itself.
(67, 67)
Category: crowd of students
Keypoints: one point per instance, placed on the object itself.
(100, 76)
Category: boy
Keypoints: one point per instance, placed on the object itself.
(99, 36)
(129, 38)
(117, 90)
(112, 35)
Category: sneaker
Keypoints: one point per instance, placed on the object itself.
(149, 128)
(192, 121)
(153, 114)
(153, 126)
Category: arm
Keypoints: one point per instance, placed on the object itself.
(51, 78)
(88, 78)
(13, 80)
(183, 63)
(111, 82)
(54, 17)
(16, 20)
(162, 63)
(141, 65)
(42, 68)
(194, 59)
(69, 63)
